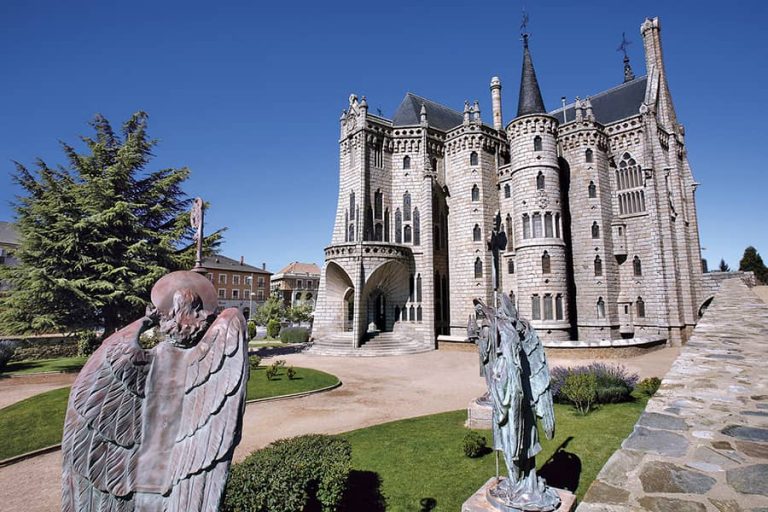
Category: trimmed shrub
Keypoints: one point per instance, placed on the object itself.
(474, 444)
(254, 361)
(273, 328)
(581, 390)
(7, 348)
(290, 475)
(294, 335)
(251, 330)
(614, 383)
(649, 386)
(291, 373)
(271, 372)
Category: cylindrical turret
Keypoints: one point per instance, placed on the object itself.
(498, 121)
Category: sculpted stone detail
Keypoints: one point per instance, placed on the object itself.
(155, 430)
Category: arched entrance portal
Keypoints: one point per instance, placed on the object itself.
(379, 311)
(349, 310)
(340, 297)
(386, 290)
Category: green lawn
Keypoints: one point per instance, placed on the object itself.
(38, 421)
(404, 462)
(61, 364)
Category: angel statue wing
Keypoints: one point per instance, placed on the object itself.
(539, 377)
(102, 429)
(212, 414)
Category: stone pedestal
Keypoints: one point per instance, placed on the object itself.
(478, 502)
(479, 416)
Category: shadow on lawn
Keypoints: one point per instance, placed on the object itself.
(72, 367)
(562, 469)
(363, 493)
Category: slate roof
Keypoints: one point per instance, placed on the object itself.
(219, 262)
(529, 101)
(301, 268)
(612, 105)
(8, 234)
(438, 116)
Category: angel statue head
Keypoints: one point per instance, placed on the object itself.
(184, 302)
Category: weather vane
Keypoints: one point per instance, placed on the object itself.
(524, 27)
(624, 44)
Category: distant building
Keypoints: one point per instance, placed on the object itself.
(9, 244)
(235, 281)
(297, 283)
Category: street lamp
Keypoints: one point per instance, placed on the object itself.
(249, 280)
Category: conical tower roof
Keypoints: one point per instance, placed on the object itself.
(530, 101)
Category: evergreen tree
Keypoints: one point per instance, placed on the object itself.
(751, 261)
(723, 267)
(96, 235)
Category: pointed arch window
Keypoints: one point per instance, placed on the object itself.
(478, 268)
(411, 287)
(398, 227)
(351, 232)
(588, 156)
(407, 206)
(416, 227)
(407, 234)
(546, 263)
(507, 191)
(637, 267)
(475, 193)
(537, 143)
(548, 231)
(537, 225)
(378, 204)
(592, 190)
(509, 231)
(510, 266)
(412, 314)
(535, 307)
(346, 223)
(600, 308)
(406, 162)
(558, 307)
(598, 266)
(378, 232)
(476, 234)
(418, 314)
(473, 158)
(595, 230)
(352, 205)
(386, 225)
(540, 181)
(640, 305)
(548, 310)
(526, 226)
(418, 287)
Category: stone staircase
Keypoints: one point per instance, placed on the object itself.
(376, 344)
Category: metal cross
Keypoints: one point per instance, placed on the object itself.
(624, 44)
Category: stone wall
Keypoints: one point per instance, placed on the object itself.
(702, 443)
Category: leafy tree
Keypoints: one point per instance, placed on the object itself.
(751, 261)
(299, 313)
(272, 309)
(723, 267)
(96, 234)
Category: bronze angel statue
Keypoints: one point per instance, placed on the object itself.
(154, 430)
(518, 379)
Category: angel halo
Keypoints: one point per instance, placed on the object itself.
(152, 430)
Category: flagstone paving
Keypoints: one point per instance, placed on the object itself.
(702, 444)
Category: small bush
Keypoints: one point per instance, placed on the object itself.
(474, 444)
(290, 475)
(273, 328)
(87, 343)
(251, 330)
(7, 348)
(254, 361)
(614, 383)
(581, 390)
(280, 363)
(291, 373)
(271, 372)
(649, 386)
(294, 335)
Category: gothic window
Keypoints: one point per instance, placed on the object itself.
(369, 233)
(535, 307)
(526, 226)
(475, 193)
(558, 307)
(407, 206)
(537, 225)
(592, 189)
(476, 234)
(406, 162)
(540, 181)
(434, 164)
(377, 155)
(411, 287)
(346, 223)
(418, 314)
(352, 205)
(598, 266)
(640, 304)
(351, 232)
(546, 263)
(378, 234)
(588, 156)
(537, 143)
(412, 314)
(386, 225)
(507, 191)
(557, 225)
(510, 266)
(418, 288)
(473, 158)
(407, 234)
(637, 267)
(405, 313)
(548, 232)
(397, 313)
(478, 268)
(595, 230)
(416, 227)
(378, 199)
(509, 232)
(548, 312)
(629, 175)
(600, 308)
(398, 227)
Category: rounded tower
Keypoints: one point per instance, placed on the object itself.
(540, 247)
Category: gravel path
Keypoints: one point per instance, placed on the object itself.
(374, 390)
(15, 389)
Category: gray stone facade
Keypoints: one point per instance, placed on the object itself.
(596, 198)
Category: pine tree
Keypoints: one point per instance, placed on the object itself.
(96, 235)
(752, 262)
(723, 267)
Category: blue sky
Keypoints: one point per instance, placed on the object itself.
(248, 94)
